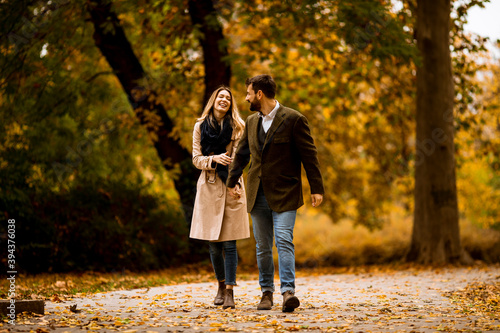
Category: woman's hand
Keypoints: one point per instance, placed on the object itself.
(223, 159)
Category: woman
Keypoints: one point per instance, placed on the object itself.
(218, 217)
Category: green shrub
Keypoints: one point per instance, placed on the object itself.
(101, 227)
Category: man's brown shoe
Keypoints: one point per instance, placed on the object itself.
(219, 298)
(266, 303)
(290, 302)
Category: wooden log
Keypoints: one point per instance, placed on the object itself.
(18, 306)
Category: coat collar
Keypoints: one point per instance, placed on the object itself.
(254, 130)
(278, 120)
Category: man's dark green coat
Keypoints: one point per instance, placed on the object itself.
(288, 144)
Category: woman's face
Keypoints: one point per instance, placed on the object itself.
(222, 101)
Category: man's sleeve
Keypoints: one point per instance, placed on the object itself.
(241, 159)
(308, 154)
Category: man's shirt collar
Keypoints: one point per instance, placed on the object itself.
(272, 113)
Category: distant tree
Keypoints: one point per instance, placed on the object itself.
(215, 52)
(346, 65)
(111, 40)
(436, 237)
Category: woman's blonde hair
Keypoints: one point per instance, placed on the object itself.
(237, 121)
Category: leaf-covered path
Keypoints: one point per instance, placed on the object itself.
(400, 301)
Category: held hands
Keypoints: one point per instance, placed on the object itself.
(316, 199)
(223, 159)
(235, 192)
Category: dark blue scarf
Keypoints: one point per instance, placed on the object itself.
(214, 140)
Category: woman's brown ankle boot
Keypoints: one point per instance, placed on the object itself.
(219, 298)
(228, 299)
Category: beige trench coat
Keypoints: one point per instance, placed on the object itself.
(217, 216)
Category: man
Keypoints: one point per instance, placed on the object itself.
(278, 139)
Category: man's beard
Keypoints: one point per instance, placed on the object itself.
(255, 106)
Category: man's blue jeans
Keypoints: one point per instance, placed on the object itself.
(266, 222)
(224, 258)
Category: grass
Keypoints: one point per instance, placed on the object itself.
(321, 243)
(47, 286)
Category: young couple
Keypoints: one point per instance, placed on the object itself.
(279, 141)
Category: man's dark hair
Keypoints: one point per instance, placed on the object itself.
(263, 82)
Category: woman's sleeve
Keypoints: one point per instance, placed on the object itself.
(201, 162)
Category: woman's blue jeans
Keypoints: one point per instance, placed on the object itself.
(224, 256)
(267, 222)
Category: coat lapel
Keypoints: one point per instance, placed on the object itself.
(278, 120)
(253, 133)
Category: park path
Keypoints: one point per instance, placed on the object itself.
(399, 301)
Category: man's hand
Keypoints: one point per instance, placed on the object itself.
(316, 199)
(223, 159)
(235, 192)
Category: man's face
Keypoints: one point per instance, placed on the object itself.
(253, 99)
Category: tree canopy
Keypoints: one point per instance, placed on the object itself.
(69, 124)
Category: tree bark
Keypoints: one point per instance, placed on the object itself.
(436, 237)
(215, 52)
(111, 40)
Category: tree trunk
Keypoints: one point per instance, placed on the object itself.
(436, 237)
(110, 38)
(215, 53)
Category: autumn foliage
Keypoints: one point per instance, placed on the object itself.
(85, 183)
